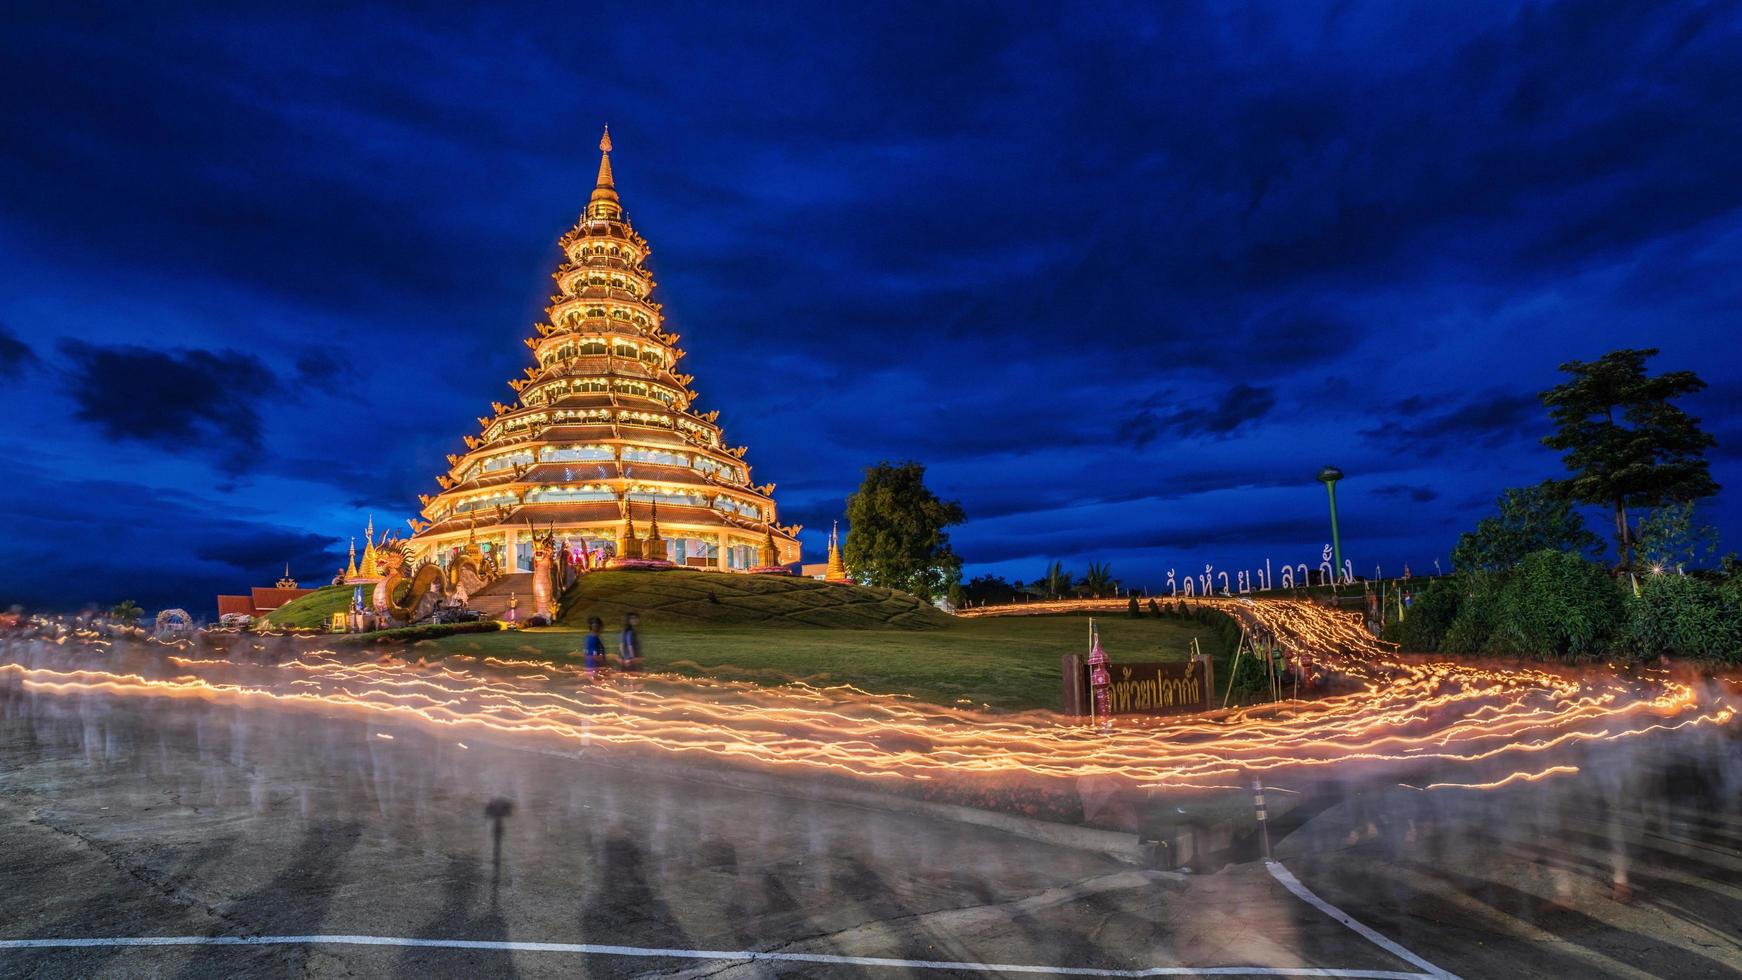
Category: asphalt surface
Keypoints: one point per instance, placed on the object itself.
(128, 817)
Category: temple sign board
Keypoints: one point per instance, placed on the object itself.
(1154, 688)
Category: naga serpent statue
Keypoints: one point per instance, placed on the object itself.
(427, 586)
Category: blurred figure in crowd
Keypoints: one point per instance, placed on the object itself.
(631, 650)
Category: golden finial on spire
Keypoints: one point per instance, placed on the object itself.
(603, 203)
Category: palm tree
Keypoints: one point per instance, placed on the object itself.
(126, 613)
(1099, 580)
(1057, 581)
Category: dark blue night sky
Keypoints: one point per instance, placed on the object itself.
(1122, 277)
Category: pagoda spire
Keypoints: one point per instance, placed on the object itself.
(835, 571)
(604, 203)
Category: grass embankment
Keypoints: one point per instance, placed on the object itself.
(316, 609)
(770, 629)
(689, 598)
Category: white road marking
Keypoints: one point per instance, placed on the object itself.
(1290, 882)
(748, 955)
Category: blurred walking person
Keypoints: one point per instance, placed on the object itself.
(595, 646)
(631, 649)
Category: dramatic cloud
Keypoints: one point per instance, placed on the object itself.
(1240, 405)
(182, 400)
(1123, 276)
(1484, 421)
(1420, 495)
(15, 354)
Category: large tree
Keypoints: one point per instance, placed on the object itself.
(1529, 519)
(897, 533)
(1626, 446)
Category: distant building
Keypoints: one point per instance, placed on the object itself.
(260, 600)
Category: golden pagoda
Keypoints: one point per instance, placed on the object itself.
(603, 429)
(836, 571)
(364, 569)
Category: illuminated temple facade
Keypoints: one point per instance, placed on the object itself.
(603, 441)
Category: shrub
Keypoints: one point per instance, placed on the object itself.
(1556, 604)
(1154, 608)
(1135, 611)
(1682, 616)
(1429, 617)
(1473, 624)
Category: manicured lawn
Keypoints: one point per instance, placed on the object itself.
(684, 598)
(1007, 664)
(316, 609)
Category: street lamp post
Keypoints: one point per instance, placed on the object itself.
(1329, 477)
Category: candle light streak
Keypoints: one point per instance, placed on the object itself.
(1404, 714)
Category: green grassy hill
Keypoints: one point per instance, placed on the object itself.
(312, 611)
(680, 598)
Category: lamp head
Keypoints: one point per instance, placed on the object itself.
(1330, 474)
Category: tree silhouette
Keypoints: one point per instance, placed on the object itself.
(1624, 443)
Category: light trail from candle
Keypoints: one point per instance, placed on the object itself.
(1500, 724)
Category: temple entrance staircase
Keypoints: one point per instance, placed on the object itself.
(492, 599)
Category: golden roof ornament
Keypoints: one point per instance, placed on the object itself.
(604, 203)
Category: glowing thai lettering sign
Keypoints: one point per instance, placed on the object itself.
(1159, 688)
(1172, 688)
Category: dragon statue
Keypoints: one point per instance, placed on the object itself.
(470, 570)
(426, 592)
(545, 575)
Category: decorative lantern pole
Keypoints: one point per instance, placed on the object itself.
(1100, 700)
(1329, 477)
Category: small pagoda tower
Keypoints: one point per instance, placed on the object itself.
(836, 571)
(365, 568)
(604, 426)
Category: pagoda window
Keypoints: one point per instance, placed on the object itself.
(506, 460)
(639, 455)
(567, 454)
(738, 507)
(591, 384)
(593, 346)
(614, 250)
(598, 311)
(556, 494)
(625, 350)
(713, 466)
(653, 495)
(652, 356)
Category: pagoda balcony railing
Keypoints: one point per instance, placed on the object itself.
(604, 325)
(593, 291)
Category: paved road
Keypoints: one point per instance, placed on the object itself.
(128, 817)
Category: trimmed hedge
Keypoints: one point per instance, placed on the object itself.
(428, 631)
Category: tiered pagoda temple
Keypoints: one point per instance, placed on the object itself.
(603, 443)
